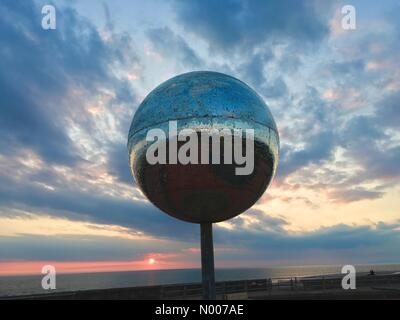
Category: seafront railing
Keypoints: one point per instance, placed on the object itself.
(239, 289)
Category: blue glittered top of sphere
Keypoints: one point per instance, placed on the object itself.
(201, 94)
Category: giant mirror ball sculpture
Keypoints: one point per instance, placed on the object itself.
(203, 193)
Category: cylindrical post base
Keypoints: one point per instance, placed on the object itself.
(207, 261)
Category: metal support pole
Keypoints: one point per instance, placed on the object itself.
(207, 261)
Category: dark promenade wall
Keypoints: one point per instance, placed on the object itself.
(368, 287)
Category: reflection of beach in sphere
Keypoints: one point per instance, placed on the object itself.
(203, 192)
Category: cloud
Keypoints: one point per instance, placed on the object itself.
(257, 220)
(75, 248)
(319, 148)
(336, 237)
(233, 24)
(356, 194)
(253, 71)
(363, 140)
(253, 230)
(174, 47)
(262, 239)
(342, 68)
(118, 163)
(387, 112)
(94, 206)
(39, 71)
(368, 142)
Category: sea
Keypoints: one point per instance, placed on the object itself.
(31, 284)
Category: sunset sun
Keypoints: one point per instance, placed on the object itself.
(152, 261)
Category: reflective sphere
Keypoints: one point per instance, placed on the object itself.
(203, 192)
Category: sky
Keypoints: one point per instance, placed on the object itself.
(68, 96)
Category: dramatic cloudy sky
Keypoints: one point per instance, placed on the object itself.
(68, 96)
